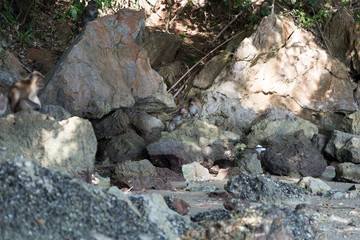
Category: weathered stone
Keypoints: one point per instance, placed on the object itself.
(217, 64)
(194, 172)
(329, 173)
(11, 70)
(170, 72)
(293, 157)
(248, 162)
(57, 112)
(279, 66)
(69, 147)
(127, 146)
(293, 225)
(198, 187)
(139, 175)
(341, 35)
(33, 194)
(257, 188)
(352, 123)
(112, 125)
(235, 203)
(147, 126)
(285, 127)
(314, 185)
(344, 147)
(135, 169)
(193, 140)
(348, 172)
(106, 69)
(161, 47)
(178, 205)
(319, 141)
(153, 207)
(102, 182)
(221, 107)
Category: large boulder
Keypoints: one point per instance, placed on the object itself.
(344, 147)
(352, 123)
(106, 69)
(348, 172)
(267, 128)
(260, 189)
(293, 156)
(161, 47)
(11, 70)
(69, 146)
(279, 66)
(123, 134)
(41, 204)
(140, 175)
(147, 126)
(126, 146)
(193, 140)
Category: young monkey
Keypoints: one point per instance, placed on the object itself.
(194, 108)
(91, 12)
(177, 119)
(24, 94)
(3, 103)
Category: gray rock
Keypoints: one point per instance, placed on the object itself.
(319, 141)
(135, 169)
(103, 181)
(36, 197)
(161, 47)
(69, 146)
(106, 69)
(11, 71)
(348, 172)
(293, 156)
(57, 112)
(246, 87)
(329, 173)
(314, 185)
(127, 146)
(147, 126)
(195, 172)
(142, 176)
(221, 107)
(276, 223)
(352, 123)
(260, 189)
(248, 162)
(153, 207)
(170, 72)
(344, 147)
(112, 125)
(284, 127)
(193, 140)
(197, 187)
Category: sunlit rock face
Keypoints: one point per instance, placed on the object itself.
(106, 69)
(279, 66)
(68, 146)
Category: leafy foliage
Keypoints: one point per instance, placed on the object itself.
(76, 11)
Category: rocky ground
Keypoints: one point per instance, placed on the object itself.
(336, 217)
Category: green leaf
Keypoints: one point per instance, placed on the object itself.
(74, 14)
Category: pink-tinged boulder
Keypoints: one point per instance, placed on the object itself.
(106, 68)
(279, 67)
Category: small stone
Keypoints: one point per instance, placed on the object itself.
(195, 172)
